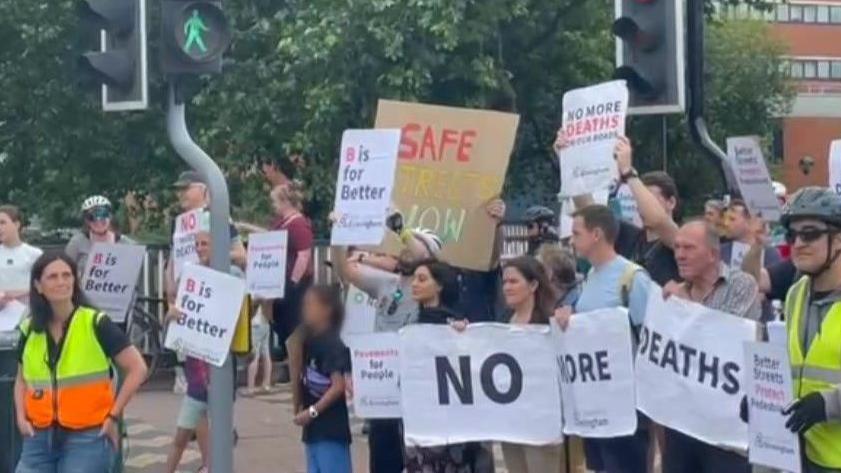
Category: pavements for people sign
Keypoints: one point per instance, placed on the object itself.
(745, 156)
(187, 226)
(375, 358)
(690, 367)
(265, 275)
(595, 358)
(110, 277)
(210, 302)
(452, 164)
(769, 390)
(363, 191)
(593, 119)
(835, 166)
(492, 382)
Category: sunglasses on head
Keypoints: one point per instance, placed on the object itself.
(807, 235)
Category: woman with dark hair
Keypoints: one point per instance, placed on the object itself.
(531, 298)
(560, 269)
(67, 410)
(435, 289)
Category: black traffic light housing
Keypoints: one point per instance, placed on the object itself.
(650, 47)
(120, 65)
(194, 36)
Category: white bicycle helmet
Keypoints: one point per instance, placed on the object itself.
(429, 239)
(95, 201)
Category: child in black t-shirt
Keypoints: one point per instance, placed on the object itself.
(324, 415)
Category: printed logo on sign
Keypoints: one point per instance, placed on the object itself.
(768, 443)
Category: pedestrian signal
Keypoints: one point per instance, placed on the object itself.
(195, 35)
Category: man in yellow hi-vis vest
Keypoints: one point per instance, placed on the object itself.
(812, 220)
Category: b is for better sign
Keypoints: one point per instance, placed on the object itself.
(210, 302)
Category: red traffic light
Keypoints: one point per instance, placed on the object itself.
(628, 29)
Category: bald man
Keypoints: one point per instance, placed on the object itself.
(707, 281)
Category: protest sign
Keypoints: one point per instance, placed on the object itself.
(768, 387)
(452, 165)
(265, 275)
(628, 210)
(110, 277)
(360, 314)
(376, 375)
(210, 303)
(187, 226)
(11, 315)
(748, 164)
(593, 118)
(595, 359)
(835, 166)
(464, 387)
(737, 254)
(363, 190)
(689, 369)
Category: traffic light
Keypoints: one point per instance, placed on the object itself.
(650, 48)
(120, 64)
(194, 36)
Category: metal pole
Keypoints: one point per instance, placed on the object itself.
(221, 379)
(697, 124)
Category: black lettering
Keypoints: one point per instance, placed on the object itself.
(586, 367)
(731, 372)
(670, 356)
(602, 365)
(463, 386)
(655, 347)
(488, 386)
(643, 340)
(688, 353)
(711, 369)
(568, 369)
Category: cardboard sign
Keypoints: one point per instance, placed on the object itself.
(835, 166)
(493, 382)
(593, 118)
(452, 164)
(748, 164)
(11, 314)
(690, 367)
(363, 190)
(769, 390)
(110, 277)
(210, 302)
(375, 359)
(187, 226)
(360, 314)
(265, 275)
(596, 366)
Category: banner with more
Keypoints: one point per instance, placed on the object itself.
(452, 164)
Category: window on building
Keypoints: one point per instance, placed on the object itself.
(783, 13)
(810, 69)
(835, 15)
(796, 69)
(795, 13)
(835, 70)
(823, 69)
(823, 13)
(810, 13)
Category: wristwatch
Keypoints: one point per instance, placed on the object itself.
(632, 173)
(313, 412)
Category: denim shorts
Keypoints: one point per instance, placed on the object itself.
(63, 451)
(191, 412)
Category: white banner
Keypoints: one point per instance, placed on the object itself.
(593, 118)
(493, 382)
(835, 166)
(360, 314)
(690, 368)
(769, 390)
(110, 277)
(265, 276)
(187, 226)
(745, 156)
(368, 162)
(597, 374)
(375, 359)
(210, 302)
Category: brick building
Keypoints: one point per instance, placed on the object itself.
(812, 31)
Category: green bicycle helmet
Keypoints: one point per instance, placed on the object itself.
(819, 203)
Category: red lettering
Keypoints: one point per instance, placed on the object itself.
(447, 136)
(191, 285)
(465, 146)
(98, 258)
(408, 146)
(350, 155)
(428, 143)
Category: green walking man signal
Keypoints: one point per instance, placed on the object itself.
(194, 29)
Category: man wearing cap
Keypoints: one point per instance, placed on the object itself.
(812, 220)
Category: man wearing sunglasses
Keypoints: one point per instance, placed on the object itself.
(812, 220)
(97, 213)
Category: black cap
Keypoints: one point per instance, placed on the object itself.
(188, 178)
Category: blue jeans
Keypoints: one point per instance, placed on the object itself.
(327, 456)
(63, 451)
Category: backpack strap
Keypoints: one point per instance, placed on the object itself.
(626, 282)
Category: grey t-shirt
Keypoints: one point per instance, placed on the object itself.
(393, 292)
(79, 247)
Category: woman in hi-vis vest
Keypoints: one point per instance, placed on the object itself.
(67, 410)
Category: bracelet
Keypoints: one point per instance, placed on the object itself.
(632, 173)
